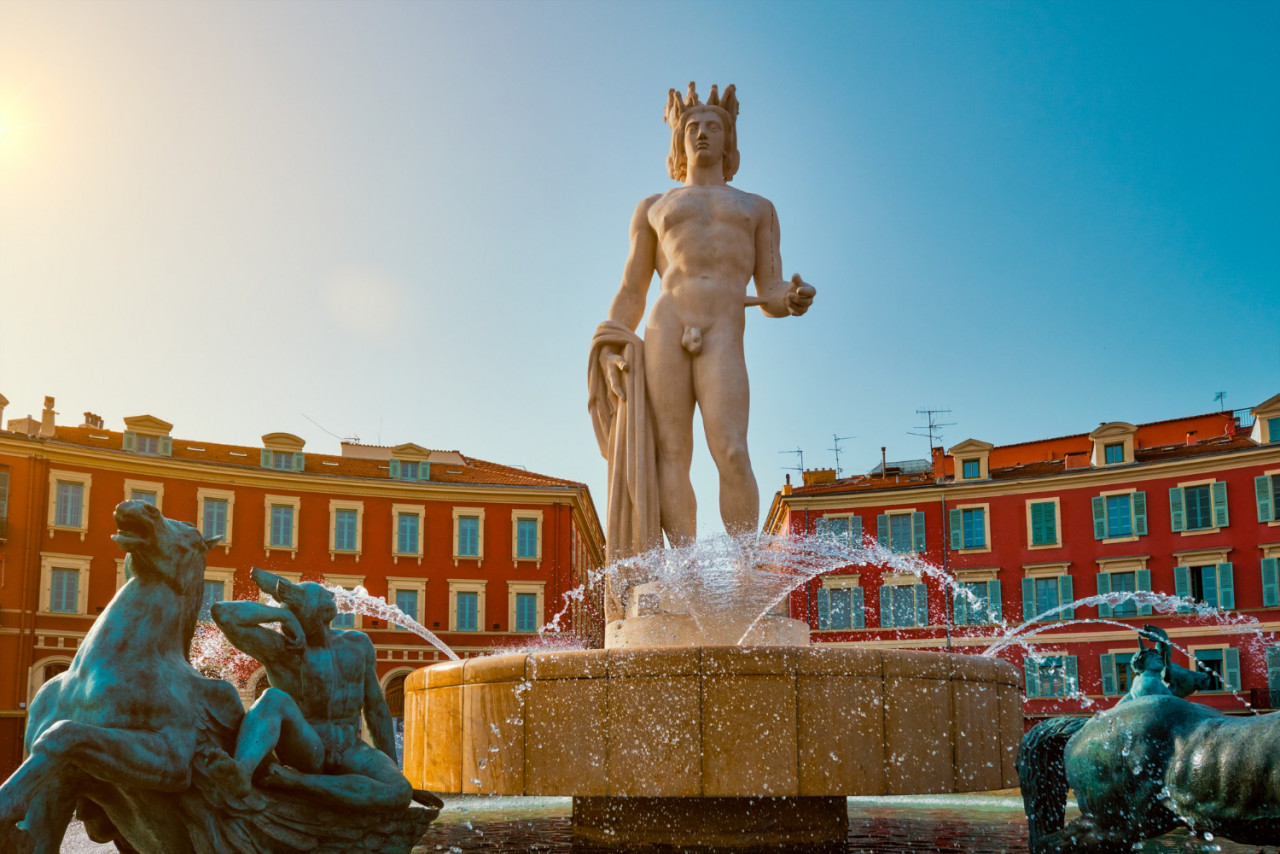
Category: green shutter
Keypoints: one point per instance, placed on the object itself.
(922, 605)
(957, 525)
(1104, 587)
(994, 611)
(1073, 674)
(166, 446)
(1107, 664)
(1219, 491)
(1140, 513)
(1270, 582)
(130, 441)
(858, 604)
(1263, 493)
(1099, 518)
(1065, 596)
(424, 470)
(393, 468)
(1177, 518)
(1273, 675)
(1028, 599)
(299, 461)
(1226, 587)
(1182, 586)
(824, 608)
(917, 530)
(882, 530)
(886, 607)
(1144, 583)
(266, 458)
(961, 605)
(1231, 668)
(1032, 670)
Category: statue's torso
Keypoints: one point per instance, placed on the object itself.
(327, 683)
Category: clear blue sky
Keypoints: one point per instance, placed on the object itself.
(404, 220)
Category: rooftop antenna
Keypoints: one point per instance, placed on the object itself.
(835, 446)
(1221, 399)
(932, 427)
(799, 460)
(355, 439)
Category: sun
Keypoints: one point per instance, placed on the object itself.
(11, 124)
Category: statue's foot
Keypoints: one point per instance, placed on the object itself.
(278, 776)
(227, 773)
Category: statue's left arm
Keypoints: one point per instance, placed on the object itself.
(376, 714)
(776, 296)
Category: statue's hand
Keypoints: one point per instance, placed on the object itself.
(294, 637)
(613, 366)
(800, 295)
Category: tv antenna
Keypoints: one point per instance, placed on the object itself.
(835, 447)
(799, 452)
(932, 427)
(1221, 399)
(355, 439)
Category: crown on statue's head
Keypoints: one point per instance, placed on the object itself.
(677, 106)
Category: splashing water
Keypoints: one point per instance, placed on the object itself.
(359, 601)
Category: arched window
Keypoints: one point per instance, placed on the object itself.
(395, 696)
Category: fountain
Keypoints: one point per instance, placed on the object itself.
(706, 719)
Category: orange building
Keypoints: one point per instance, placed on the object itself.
(479, 553)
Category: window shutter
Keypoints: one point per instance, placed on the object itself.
(1144, 583)
(1226, 587)
(1231, 668)
(1177, 519)
(1182, 586)
(393, 469)
(1073, 674)
(299, 461)
(961, 606)
(130, 441)
(1104, 587)
(882, 530)
(1219, 491)
(824, 608)
(1107, 664)
(1065, 596)
(166, 446)
(1273, 675)
(1028, 599)
(266, 458)
(1099, 518)
(1140, 513)
(424, 470)
(1263, 493)
(1270, 582)
(922, 605)
(994, 611)
(857, 603)
(917, 530)
(957, 523)
(1032, 669)
(886, 607)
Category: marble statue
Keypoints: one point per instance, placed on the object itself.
(139, 744)
(1150, 764)
(706, 241)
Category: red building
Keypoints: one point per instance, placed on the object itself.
(1182, 507)
(479, 553)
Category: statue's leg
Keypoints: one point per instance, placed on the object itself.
(720, 381)
(50, 812)
(369, 779)
(669, 384)
(276, 723)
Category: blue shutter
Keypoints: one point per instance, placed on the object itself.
(858, 604)
(957, 522)
(130, 441)
(882, 530)
(424, 470)
(1231, 668)
(1220, 518)
(1073, 674)
(855, 531)
(1099, 518)
(1140, 513)
(824, 608)
(1107, 664)
(393, 468)
(1182, 586)
(266, 458)
(1270, 582)
(1177, 518)
(961, 606)
(1104, 587)
(1065, 596)
(886, 607)
(299, 461)
(922, 605)
(1226, 587)
(1028, 599)
(995, 613)
(1032, 670)
(1144, 583)
(917, 529)
(166, 446)
(1263, 493)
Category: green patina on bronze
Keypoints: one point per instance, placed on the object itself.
(144, 748)
(1150, 764)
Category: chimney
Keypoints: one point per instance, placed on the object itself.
(47, 429)
(813, 477)
(786, 487)
(1191, 433)
(884, 463)
(4, 401)
(92, 420)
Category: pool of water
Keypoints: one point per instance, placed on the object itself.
(908, 825)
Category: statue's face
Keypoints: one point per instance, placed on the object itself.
(704, 135)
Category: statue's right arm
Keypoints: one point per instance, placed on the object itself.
(628, 305)
(242, 622)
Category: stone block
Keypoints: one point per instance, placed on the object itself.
(624, 663)
(918, 735)
(913, 664)
(566, 728)
(747, 661)
(840, 735)
(655, 735)
(445, 674)
(749, 732)
(572, 664)
(494, 668)
(840, 661)
(493, 737)
(415, 716)
(1011, 731)
(977, 735)
(442, 768)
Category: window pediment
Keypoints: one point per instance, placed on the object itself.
(147, 424)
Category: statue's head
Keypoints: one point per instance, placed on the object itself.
(313, 604)
(695, 126)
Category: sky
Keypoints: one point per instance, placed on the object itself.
(402, 221)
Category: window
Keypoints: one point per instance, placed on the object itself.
(1124, 582)
(64, 583)
(1123, 575)
(526, 535)
(1270, 582)
(4, 502)
(971, 469)
(841, 605)
(1211, 584)
(344, 530)
(467, 610)
(281, 526)
(903, 606)
(901, 530)
(1114, 453)
(147, 444)
(468, 536)
(1273, 664)
(1119, 515)
(526, 612)
(1222, 663)
(407, 601)
(344, 621)
(983, 609)
(1266, 489)
(467, 603)
(1198, 506)
(64, 595)
(407, 533)
(1042, 523)
(524, 605)
(213, 522)
(146, 496)
(213, 592)
(1273, 429)
(146, 434)
(1113, 444)
(1052, 676)
(70, 505)
(845, 530)
(1048, 590)
(283, 460)
(969, 528)
(410, 469)
(1116, 674)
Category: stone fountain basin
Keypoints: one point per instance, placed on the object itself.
(714, 722)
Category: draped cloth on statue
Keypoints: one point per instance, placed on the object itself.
(627, 439)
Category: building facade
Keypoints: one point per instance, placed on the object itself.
(1020, 534)
(479, 553)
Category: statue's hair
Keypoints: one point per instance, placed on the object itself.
(676, 115)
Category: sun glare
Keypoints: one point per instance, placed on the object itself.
(12, 124)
